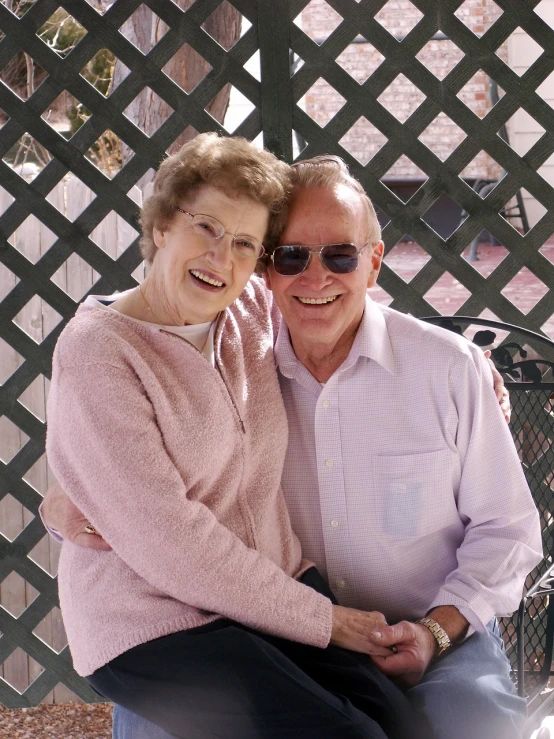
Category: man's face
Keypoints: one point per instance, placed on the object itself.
(318, 217)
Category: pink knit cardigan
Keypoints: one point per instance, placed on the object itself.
(178, 464)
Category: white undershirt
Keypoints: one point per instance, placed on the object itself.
(200, 335)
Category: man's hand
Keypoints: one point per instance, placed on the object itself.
(360, 631)
(415, 649)
(500, 389)
(62, 515)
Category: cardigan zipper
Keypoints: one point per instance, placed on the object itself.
(219, 372)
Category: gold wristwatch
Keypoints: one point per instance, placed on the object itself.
(441, 637)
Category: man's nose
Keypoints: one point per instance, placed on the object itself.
(316, 272)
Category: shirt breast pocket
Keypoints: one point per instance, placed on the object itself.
(414, 494)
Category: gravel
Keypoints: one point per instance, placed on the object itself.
(64, 721)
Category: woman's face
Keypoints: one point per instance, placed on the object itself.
(186, 260)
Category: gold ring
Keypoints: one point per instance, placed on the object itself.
(89, 528)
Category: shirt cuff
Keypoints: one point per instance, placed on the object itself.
(478, 614)
(53, 533)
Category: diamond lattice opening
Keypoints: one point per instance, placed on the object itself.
(444, 216)
(39, 476)
(187, 68)
(37, 319)
(523, 131)
(48, 631)
(144, 28)
(72, 197)
(318, 20)
(485, 170)
(105, 153)
(224, 25)
(6, 199)
(477, 94)
(11, 360)
(20, 670)
(252, 66)
(7, 281)
(523, 51)
(407, 258)
(360, 60)
(17, 77)
(32, 239)
(138, 111)
(99, 71)
(12, 517)
(478, 19)
(440, 56)
(447, 294)
(34, 398)
(61, 32)
(45, 555)
(363, 140)
(525, 290)
(546, 90)
(63, 114)
(75, 277)
(114, 235)
(534, 209)
(442, 136)
(399, 18)
(323, 102)
(27, 157)
(489, 255)
(401, 98)
(16, 594)
(240, 107)
(404, 170)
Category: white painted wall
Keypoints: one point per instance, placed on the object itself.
(523, 130)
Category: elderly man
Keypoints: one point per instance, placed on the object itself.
(401, 478)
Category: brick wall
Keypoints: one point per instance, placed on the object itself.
(402, 98)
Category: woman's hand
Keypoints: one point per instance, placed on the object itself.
(61, 515)
(359, 631)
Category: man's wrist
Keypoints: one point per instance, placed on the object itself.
(441, 639)
(451, 620)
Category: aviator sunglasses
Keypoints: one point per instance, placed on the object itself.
(338, 258)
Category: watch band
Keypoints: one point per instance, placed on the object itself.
(441, 637)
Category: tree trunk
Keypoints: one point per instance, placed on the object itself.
(187, 68)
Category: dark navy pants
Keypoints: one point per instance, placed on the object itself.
(227, 681)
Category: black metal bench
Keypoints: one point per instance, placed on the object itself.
(526, 361)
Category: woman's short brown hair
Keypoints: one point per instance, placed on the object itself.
(230, 163)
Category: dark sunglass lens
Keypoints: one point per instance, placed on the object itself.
(340, 258)
(290, 260)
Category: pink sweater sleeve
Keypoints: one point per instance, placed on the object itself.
(110, 458)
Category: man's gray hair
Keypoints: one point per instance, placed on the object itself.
(326, 172)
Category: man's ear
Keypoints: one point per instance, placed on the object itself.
(376, 261)
(267, 278)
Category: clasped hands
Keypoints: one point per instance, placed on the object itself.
(368, 632)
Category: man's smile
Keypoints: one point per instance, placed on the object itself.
(317, 301)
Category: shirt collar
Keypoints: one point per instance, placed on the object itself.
(372, 341)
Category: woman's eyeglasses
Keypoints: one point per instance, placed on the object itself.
(213, 231)
(338, 258)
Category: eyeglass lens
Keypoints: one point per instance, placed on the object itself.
(337, 258)
(212, 229)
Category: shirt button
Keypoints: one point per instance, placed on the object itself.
(326, 404)
(340, 583)
(334, 524)
(329, 463)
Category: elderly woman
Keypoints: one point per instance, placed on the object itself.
(166, 428)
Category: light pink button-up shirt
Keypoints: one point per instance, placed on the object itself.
(402, 479)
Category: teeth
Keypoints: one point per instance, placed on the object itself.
(318, 301)
(205, 278)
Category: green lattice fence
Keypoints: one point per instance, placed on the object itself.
(65, 235)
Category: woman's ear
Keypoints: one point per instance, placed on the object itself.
(159, 238)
